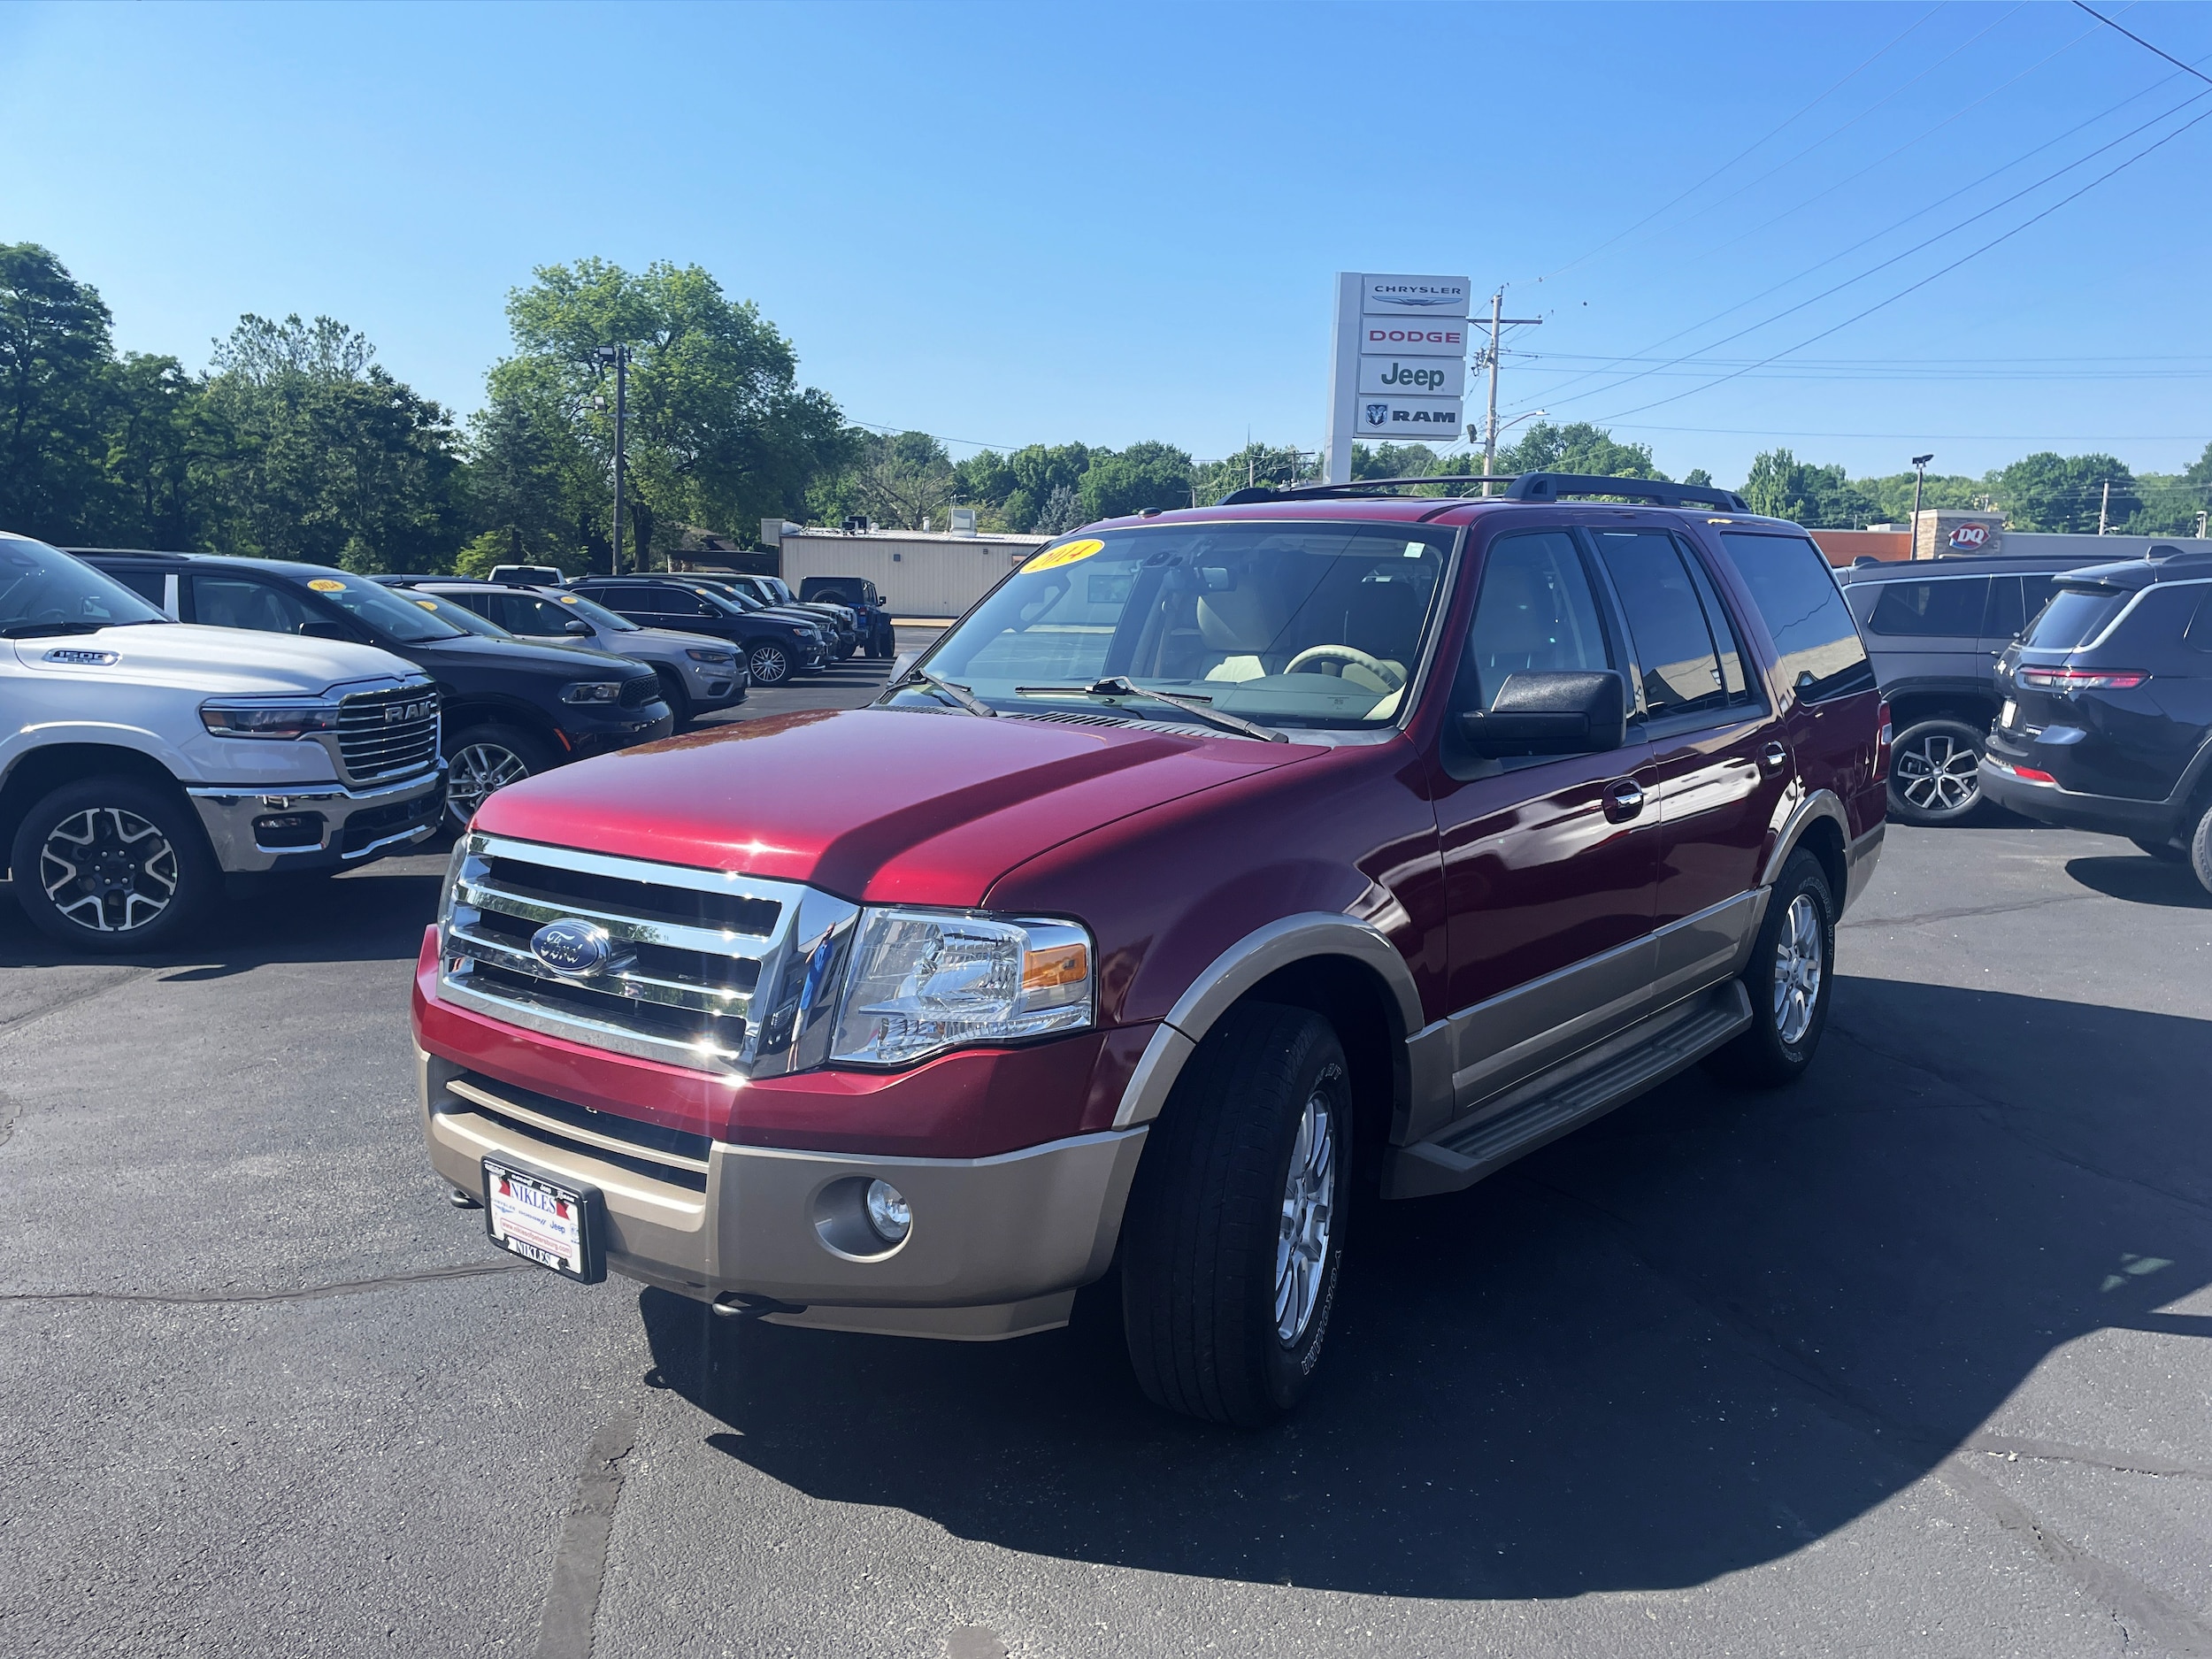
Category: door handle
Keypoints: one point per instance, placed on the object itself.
(1624, 800)
(1774, 755)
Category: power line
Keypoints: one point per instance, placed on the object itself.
(1740, 155)
(1913, 287)
(2145, 44)
(1918, 247)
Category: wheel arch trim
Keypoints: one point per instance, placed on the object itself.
(1265, 950)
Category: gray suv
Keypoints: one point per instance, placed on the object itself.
(697, 672)
(1935, 629)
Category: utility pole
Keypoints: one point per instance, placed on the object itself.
(1919, 477)
(1490, 424)
(2104, 506)
(619, 356)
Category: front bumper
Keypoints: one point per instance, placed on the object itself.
(626, 729)
(2069, 809)
(998, 1248)
(341, 827)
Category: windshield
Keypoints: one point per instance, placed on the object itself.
(42, 590)
(597, 615)
(459, 615)
(2074, 617)
(379, 607)
(1318, 626)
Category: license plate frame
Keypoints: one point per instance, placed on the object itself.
(548, 1220)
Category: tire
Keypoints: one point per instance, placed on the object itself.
(1790, 979)
(768, 662)
(2165, 852)
(885, 646)
(2201, 849)
(1932, 772)
(484, 758)
(112, 863)
(674, 696)
(1225, 1320)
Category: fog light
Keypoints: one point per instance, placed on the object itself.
(286, 831)
(888, 1212)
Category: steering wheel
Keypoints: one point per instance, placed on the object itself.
(1392, 679)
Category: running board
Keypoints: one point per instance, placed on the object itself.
(1612, 1076)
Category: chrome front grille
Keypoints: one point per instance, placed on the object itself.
(384, 734)
(709, 970)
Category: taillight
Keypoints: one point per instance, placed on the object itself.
(1881, 743)
(2080, 679)
(2032, 775)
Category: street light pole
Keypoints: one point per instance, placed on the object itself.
(1919, 478)
(1490, 425)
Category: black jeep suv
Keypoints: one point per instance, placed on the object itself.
(2107, 722)
(508, 709)
(1934, 630)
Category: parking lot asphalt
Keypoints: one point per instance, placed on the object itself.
(1914, 1359)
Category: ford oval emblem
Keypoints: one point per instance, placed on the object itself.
(572, 948)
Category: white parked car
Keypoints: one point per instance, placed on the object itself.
(143, 759)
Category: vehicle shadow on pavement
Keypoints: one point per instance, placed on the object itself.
(2142, 880)
(1699, 1335)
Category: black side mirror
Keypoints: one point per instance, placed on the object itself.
(324, 628)
(576, 625)
(1551, 713)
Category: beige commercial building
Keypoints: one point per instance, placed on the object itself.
(918, 572)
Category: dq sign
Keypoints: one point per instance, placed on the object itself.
(1968, 538)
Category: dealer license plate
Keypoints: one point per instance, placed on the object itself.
(2005, 714)
(556, 1224)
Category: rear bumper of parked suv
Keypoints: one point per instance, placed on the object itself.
(2049, 801)
(999, 1245)
(318, 825)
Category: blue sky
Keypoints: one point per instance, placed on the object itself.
(1016, 224)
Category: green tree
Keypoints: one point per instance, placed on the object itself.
(55, 357)
(1148, 474)
(903, 480)
(1892, 495)
(1016, 489)
(1577, 447)
(1256, 464)
(310, 450)
(720, 435)
(2063, 493)
(1818, 497)
(153, 428)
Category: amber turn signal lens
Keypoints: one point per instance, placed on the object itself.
(1055, 966)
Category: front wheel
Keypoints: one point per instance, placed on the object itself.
(769, 663)
(2200, 849)
(1935, 772)
(111, 864)
(485, 758)
(1791, 972)
(1235, 1230)
(675, 696)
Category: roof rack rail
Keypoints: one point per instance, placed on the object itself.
(1518, 487)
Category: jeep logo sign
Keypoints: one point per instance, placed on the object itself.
(1400, 367)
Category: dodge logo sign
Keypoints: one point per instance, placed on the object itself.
(572, 948)
(1970, 538)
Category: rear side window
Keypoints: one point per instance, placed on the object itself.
(1821, 654)
(1953, 605)
(2074, 617)
(2198, 635)
(1676, 654)
(2004, 617)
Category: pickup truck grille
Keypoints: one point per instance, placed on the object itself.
(384, 734)
(692, 949)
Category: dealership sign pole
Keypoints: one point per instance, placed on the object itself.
(1399, 373)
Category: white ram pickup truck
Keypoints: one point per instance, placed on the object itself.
(142, 760)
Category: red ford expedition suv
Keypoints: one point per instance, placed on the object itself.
(1219, 865)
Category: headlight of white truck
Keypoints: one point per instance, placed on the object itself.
(268, 716)
(923, 981)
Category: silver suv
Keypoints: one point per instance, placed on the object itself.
(698, 673)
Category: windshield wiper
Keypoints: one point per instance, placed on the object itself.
(46, 630)
(960, 695)
(1119, 685)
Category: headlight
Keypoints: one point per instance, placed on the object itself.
(719, 660)
(923, 981)
(593, 691)
(251, 719)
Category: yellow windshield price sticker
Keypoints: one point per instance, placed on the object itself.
(568, 599)
(429, 605)
(1066, 553)
(324, 584)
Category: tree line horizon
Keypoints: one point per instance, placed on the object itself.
(295, 443)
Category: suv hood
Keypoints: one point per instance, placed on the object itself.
(479, 650)
(230, 662)
(878, 805)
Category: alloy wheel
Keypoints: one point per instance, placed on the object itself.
(770, 665)
(477, 771)
(108, 870)
(1302, 1248)
(1797, 969)
(1939, 773)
